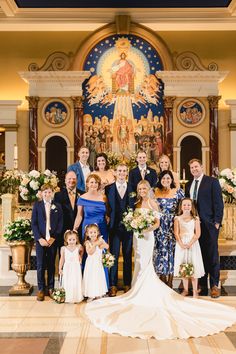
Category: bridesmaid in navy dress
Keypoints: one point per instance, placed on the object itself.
(92, 209)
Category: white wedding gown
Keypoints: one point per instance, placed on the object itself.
(152, 309)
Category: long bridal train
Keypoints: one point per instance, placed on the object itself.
(152, 309)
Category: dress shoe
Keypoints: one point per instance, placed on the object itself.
(215, 292)
(203, 291)
(50, 293)
(127, 288)
(113, 291)
(40, 295)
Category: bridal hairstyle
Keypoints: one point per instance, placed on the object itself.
(193, 211)
(150, 191)
(97, 179)
(69, 233)
(91, 226)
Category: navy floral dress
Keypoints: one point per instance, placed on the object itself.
(164, 249)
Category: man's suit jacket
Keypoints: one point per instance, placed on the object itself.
(38, 220)
(69, 214)
(210, 204)
(76, 167)
(111, 191)
(135, 177)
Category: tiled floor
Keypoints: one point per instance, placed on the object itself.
(31, 327)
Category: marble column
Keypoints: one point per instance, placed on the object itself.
(168, 125)
(213, 134)
(33, 132)
(78, 124)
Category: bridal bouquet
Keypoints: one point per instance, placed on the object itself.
(186, 270)
(108, 259)
(139, 220)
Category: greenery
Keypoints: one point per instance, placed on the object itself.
(227, 180)
(9, 181)
(31, 183)
(59, 295)
(18, 230)
(186, 270)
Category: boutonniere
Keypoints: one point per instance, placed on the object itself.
(147, 172)
(132, 194)
(53, 207)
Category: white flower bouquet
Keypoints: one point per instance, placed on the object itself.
(186, 270)
(31, 183)
(59, 295)
(139, 220)
(227, 180)
(9, 181)
(108, 259)
(18, 230)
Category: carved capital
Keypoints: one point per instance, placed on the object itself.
(169, 101)
(78, 101)
(213, 101)
(33, 101)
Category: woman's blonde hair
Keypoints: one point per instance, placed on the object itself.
(69, 233)
(97, 179)
(88, 227)
(166, 157)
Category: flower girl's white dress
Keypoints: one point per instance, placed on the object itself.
(72, 276)
(192, 255)
(94, 279)
(152, 309)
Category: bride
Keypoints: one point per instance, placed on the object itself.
(151, 308)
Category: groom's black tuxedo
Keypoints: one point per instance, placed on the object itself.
(118, 233)
(135, 177)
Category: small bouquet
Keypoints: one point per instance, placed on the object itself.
(186, 270)
(108, 259)
(227, 180)
(59, 294)
(139, 220)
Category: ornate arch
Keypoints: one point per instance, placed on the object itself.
(42, 149)
(205, 148)
(113, 28)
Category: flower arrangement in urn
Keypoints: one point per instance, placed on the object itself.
(18, 230)
(9, 181)
(227, 180)
(31, 183)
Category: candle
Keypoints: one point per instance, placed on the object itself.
(15, 152)
(183, 174)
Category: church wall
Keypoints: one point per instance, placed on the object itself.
(18, 50)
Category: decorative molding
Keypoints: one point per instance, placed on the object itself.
(122, 24)
(190, 61)
(191, 83)
(232, 127)
(9, 127)
(169, 101)
(55, 83)
(213, 101)
(56, 61)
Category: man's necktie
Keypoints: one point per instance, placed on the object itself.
(48, 227)
(195, 190)
(72, 198)
(121, 190)
(143, 173)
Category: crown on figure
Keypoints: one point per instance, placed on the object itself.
(122, 45)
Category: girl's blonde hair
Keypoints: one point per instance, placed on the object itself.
(69, 233)
(193, 211)
(88, 227)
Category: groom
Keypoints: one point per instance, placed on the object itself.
(119, 198)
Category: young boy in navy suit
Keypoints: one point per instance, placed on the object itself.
(47, 222)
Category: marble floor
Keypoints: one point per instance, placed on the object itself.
(31, 327)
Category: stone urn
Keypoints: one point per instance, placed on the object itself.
(21, 251)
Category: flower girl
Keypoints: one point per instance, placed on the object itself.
(94, 280)
(70, 267)
(188, 258)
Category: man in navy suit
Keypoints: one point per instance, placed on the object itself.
(142, 171)
(67, 198)
(119, 198)
(47, 222)
(81, 168)
(207, 194)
